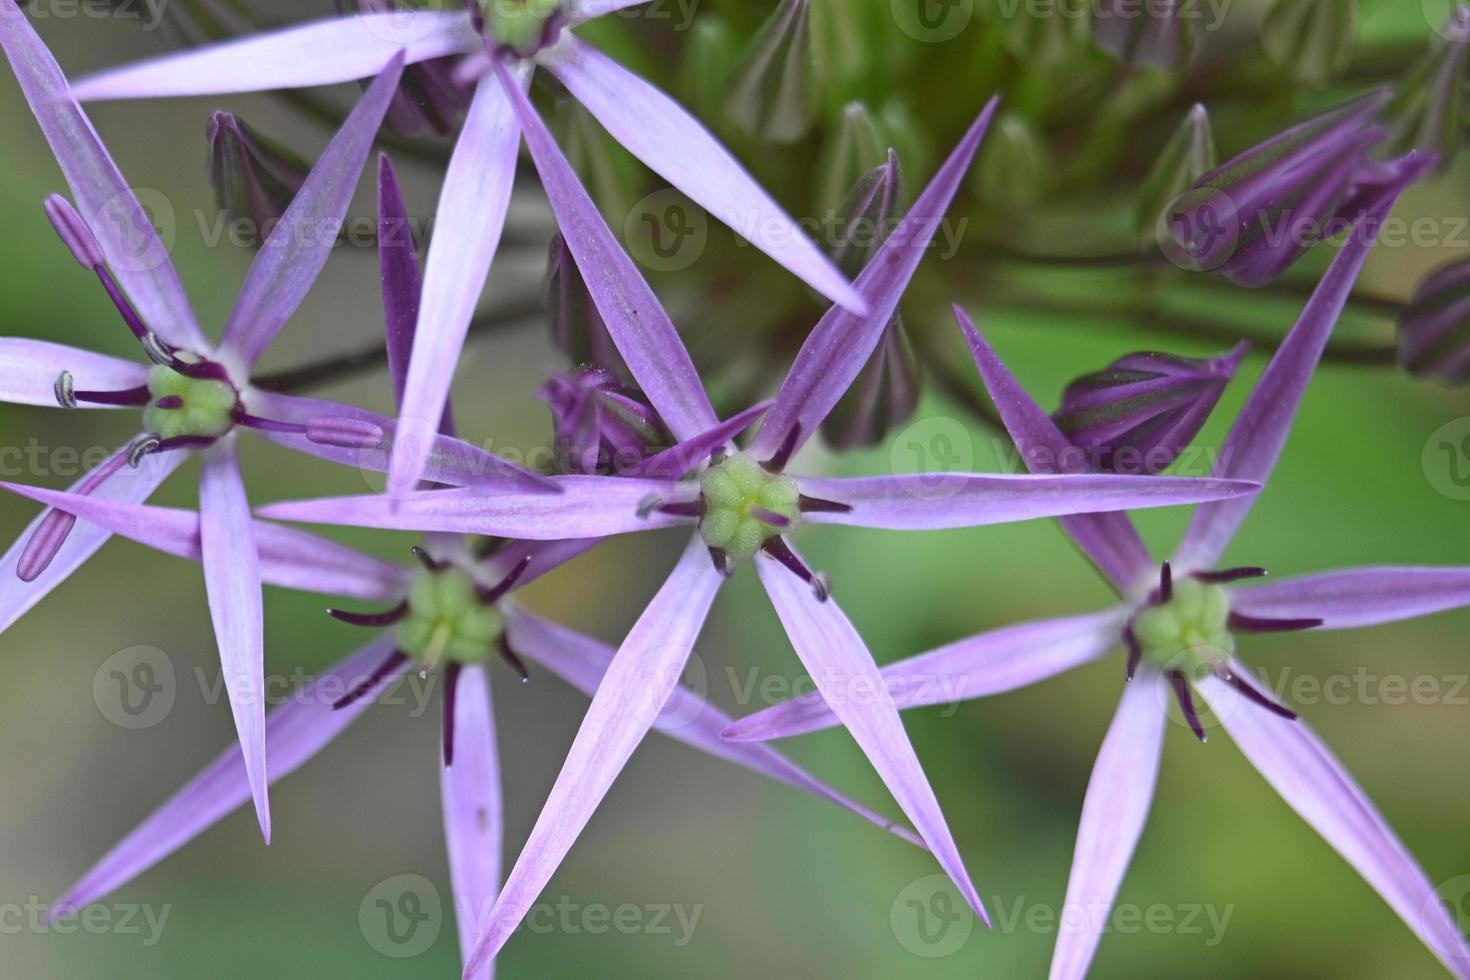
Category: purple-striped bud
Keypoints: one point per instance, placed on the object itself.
(600, 425)
(1434, 329)
(886, 391)
(74, 232)
(1137, 415)
(255, 178)
(428, 96)
(1428, 106)
(1253, 217)
(344, 432)
(1311, 40)
(577, 328)
(771, 98)
(1152, 34)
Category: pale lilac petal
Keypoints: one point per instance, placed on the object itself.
(1118, 798)
(324, 52)
(138, 258)
(232, 583)
(676, 461)
(289, 558)
(1315, 784)
(29, 369)
(469, 792)
(294, 733)
(582, 661)
(1255, 441)
(844, 672)
(590, 507)
(289, 262)
(639, 681)
(935, 501)
(842, 341)
(398, 260)
(453, 462)
(1109, 540)
(637, 321)
(677, 147)
(125, 486)
(467, 229)
(1357, 597)
(992, 663)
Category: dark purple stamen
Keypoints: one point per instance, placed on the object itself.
(201, 370)
(1166, 583)
(778, 549)
(244, 418)
(493, 595)
(777, 463)
(687, 508)
(133, 397)
(1254, 695)
(56, 526)
(1230, 575)
(511, 657)
(770, 517)
(114, 292)
(451, 682)
(395, 660)
(1186, 703)
(816, 505)
(722, 561)
(170, 402)
(427, 560)
(184, 442)
(1135, 652)
(370, 619)
(1255, 624)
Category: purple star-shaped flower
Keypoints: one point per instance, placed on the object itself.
(1178, 626)
(476, 193)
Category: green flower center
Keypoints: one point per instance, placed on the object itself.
(1190, 633)
(744, 505)
(202, 407)
(520, 25)
(447, 620)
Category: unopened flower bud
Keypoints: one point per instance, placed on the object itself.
(1311, 40)
(429, 98)
(1014, 169)
(577, 328)
(1427, 109)
(1157, 34)
(1188, 156)
(772, 96)
(255, 178)
(1434, 329)
(600, 426)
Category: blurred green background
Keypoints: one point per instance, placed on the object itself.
(781, 884)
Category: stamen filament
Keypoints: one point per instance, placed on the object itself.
(511, 657)
(816, 505)
(493, 595)
(451, 685)
(395, 660)
(777, 548)
(1186, 703)
(777, 463)
(1230, 575)
(387, 618)
(1256, 624)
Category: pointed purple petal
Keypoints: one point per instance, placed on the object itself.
(1315, 784)
(639, 681)
(470, 795)
(980, 666)
(232, 582)
(1109, 540)
(288, 264)
(638, 323)
(841, 343)
(138, 259)
(398, 259)
(324, 52)
(678, 460)
(1118, 799)
(590, 507)
(582, 661)
(677, 147)
(1357, 597)
(467, 229)
(935, 501)
(29, 369)
(294, 732)
(845, 674)
(125, 486)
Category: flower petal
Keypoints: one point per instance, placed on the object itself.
(467, 229)
(582, 661)
(289, 558)
(289, 262)
(590, 507)
(1118, 798)
(842, 341)
(676, 461)
(294, 732)
(323, 52)
(677, 147)
(29, 369)
(638, 323)
(398, 259)
(473, 818)
(979, 666)
(138, 259)
(935, 501)
(1109, 540)
(642, 676)
(848, 679)
(125, 486)
(1315, 784)
(1356, 597)
(232, 582)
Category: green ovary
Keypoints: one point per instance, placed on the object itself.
(519, 24)
(731, 491)
(208, 410)
(1190, 632)
(446, 620)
